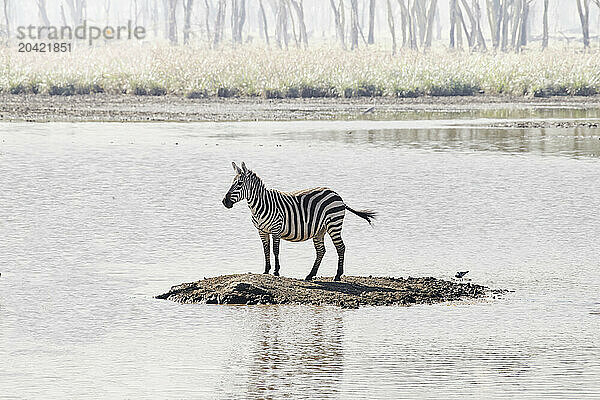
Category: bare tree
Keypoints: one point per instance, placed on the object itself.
(207, 19)
(299, 8)
(291, 17)
(583, 8)
(480, 39)
(238, 18)
(516, 11)
(338, 15)
(371, 39)
(219, 22)
(508, 21)
(474, 35)
(522, 39)
(452, 23)
(63, 18)
(518, 18)
(404, 19)
(354, 24)
(172, 20)
(281, 27)
(263, 18)
(412, 17)
(419, 20)
(545, 26)
(77, 8)
(7, 20)
(429, 22)
(43, 14)
(187, 16)
(390, 18)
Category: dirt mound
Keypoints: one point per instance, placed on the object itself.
(351, 292)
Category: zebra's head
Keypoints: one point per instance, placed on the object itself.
(238, 188)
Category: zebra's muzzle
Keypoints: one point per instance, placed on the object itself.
(227, 202)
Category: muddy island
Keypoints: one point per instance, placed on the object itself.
(351, 292)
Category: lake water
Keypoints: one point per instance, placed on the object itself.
(97, 218)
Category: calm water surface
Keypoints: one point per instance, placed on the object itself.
(96, 218)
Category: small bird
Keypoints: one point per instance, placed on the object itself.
(461, 274)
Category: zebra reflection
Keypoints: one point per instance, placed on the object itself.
(294, 216)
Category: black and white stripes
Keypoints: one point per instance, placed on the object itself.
(294, 216)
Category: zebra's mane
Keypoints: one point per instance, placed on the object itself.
(254, 177)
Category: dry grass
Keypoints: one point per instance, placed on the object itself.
(316, 72)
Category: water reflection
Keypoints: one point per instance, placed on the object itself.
(294, 350)
(473, 111)
(575, 142)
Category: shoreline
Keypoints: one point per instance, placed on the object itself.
(130, 108)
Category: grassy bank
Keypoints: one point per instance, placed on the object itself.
(316, 72)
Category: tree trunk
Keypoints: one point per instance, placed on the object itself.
(62, 15)
(523, 29)
(505, 22)
(420, 21)
(171, 20)
(584, 17)
(471, 35)
(460, 22)
(43, 13)
(289, 12)
(516, 20)
(545, 23)
(430, 20)
(354, 24)
(207, 20)
(7, 20)
(493, 13)
(481, 46)
(404, 21)
(77, 8)
(371, 39)
(219, 22)
(299, 8)
(339, 22)
(233, 20)
(238, 18)
(264, 21)
(281, 32)
(452, 23)
(390, 18)
(412, 25)
(187, 15)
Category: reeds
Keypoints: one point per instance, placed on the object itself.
(317, 72)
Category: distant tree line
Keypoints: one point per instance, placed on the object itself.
(411, 24)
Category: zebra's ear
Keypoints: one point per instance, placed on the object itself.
(244, 167)
(236, 168)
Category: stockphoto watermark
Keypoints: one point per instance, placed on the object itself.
(84, 31)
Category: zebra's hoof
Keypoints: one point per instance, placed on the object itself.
(276, 273)
(266, 272)
(337, 278)
(309, 278)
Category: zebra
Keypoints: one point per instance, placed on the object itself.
(293, 216)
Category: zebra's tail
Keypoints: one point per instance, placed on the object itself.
(366, 214)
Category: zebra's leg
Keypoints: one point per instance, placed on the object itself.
(276, 240)
(319, 242)
(264, 237)
(336, 236)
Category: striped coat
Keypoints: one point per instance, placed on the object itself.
(294, 216)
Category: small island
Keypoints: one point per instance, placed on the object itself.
(351, 292)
